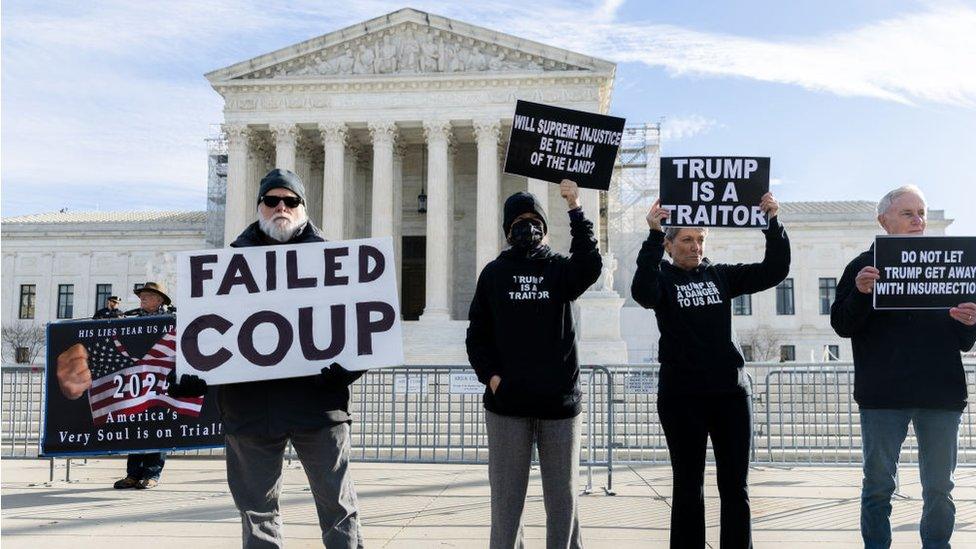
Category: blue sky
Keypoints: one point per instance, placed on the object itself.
(105, 106)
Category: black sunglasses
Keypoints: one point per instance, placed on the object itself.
(272, 201)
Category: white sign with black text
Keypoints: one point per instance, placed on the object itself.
(273, 312)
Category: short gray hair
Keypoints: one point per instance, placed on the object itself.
(670, 233)
(893, 195)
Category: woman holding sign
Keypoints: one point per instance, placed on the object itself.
(703, 390)
(522, 344)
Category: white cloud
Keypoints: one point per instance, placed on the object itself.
(676, 128)
(112, 92)
(926, 56)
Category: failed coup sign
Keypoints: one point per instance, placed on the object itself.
(714, 191)
(286, 311)
(924, 272)
(552, 143)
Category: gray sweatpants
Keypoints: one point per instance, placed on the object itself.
(254, 475)
(509, 458)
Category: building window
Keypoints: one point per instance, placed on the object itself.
(828, 291)
(742, 305)
(102, 291)
(28, 292)
(137, 286)
(747, 353)
(833, 353)
(787, 353)
(66, 300)
(784, 298)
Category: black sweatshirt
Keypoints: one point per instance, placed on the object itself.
(902, 359)
(521, 326)
(698, 351)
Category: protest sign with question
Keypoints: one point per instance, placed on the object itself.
(274, 312)
(552, 143)
(714, 191)
(924, 272)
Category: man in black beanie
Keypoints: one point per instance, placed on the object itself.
(522, 343)
(261, 417)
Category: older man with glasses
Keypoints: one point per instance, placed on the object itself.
(907, 369)
(261, 417)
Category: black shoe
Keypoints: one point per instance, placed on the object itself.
(127, 482)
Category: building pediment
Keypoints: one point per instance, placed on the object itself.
(408, 43)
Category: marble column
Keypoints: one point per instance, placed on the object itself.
(260, 160)
(590, 201)
(285, 138)
(333, 178)
(352, 193)
(540, 189)
(452, 256)
(235, 205)
(439, 222)
(383, 135)
(488, 218)
(305, 156)
(399, 151)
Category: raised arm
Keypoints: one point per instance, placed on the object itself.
(646, 288)
(585, 263)
(756, 277)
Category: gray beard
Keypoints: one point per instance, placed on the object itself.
(281, 233)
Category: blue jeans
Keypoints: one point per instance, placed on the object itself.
(145, 466)
(882, 434)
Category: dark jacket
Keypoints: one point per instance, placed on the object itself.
(902, 359)
(521, 326)
(281, 406)
(698, 351)
(105, 312)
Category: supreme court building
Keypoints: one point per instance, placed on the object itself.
(398, 127)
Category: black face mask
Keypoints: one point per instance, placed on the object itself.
(526, 234)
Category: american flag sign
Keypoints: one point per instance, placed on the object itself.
(123, 384)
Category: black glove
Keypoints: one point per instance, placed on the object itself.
(188, 386)
(334, 374)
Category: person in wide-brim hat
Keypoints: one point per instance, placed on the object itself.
(156, 288)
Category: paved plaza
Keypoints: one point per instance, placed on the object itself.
(417, 506)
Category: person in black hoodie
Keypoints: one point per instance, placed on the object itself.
(522, 343)
(260, 417)
(907, 369)
(703, 390)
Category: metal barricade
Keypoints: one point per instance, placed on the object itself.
(21, 411)
(638, 437)
(811, 417)
(416, 414)
(434, 414)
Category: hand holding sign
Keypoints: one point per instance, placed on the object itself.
(866, 278)
(74, 377)
(965, 313)
(569, 190)
(656, 215)
(769, 205)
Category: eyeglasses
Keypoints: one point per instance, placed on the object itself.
(272, 201)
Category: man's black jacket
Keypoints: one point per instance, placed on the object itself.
(281, 406)
(902, 359)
